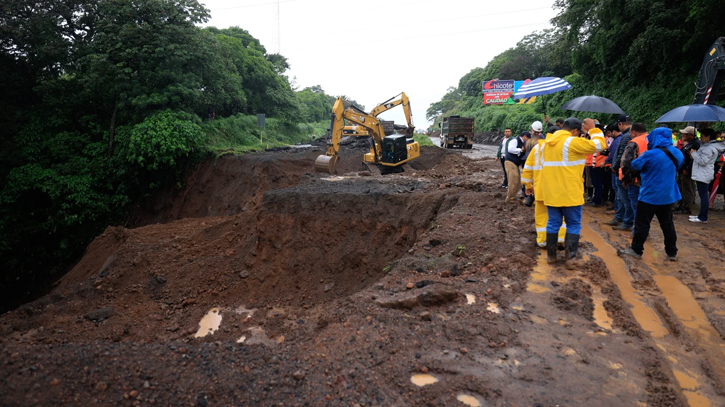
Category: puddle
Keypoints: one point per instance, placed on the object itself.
(540, 276)
(683, 304)
(335, 179)
(614, 366)
(645, 316)
(538, 320)
(209, 324)
(686, 382)
(507, 362)
(689, 385)
(421, 380)
(493, 307)
(600, 314)
(696, 399)
(471, 299)
(468, 400)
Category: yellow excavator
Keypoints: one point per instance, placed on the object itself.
(386, 152)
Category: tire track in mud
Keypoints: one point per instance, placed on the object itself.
(692, 348)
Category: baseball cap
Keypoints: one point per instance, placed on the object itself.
(552, 129)
(537, 126)
(573, 123)
(688, 130)
(624, 118)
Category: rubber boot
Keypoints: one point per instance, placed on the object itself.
(551, 241)
(571, 241)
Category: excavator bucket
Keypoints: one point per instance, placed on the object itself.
(326, 163)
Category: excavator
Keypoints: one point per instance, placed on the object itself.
(712, 74)
(386, 152)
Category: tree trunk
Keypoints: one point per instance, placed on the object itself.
(112, 131)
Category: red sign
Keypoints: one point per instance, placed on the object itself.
(497, 92)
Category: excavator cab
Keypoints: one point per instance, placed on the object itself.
(395, 149)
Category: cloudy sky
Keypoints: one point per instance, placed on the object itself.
(373, 50)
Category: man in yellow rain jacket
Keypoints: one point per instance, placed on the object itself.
(532, 175)
(565, 154)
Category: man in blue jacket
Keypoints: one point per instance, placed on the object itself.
(658, 172)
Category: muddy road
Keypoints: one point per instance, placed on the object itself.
(478, 151)
(263, 284)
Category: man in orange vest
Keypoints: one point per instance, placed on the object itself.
(636, 147)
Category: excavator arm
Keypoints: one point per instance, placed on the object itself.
(391, 103)
(712, 74)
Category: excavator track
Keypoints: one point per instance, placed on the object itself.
(373, 168)
(326, 163)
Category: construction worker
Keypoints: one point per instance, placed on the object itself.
(565, 154)
(531, 178)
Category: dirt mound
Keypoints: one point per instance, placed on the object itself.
(488, 137)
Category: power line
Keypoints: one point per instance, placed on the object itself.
(366, 28)
(254, 5)
(389, 40)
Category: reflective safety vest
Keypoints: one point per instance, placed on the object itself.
(532, 171)
(564, 157)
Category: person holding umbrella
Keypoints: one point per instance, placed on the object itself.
(564, 156)
(703, 160)
(684, 177)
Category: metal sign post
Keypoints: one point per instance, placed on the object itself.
(260, 124)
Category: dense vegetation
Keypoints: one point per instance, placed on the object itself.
(644, 55)
(105, 102)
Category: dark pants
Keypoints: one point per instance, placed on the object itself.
(628, 219)
(688, 191)
(503, 165)
(704, 192)
(597, 174)
(607, 190)
(633, 192)
(645, 213)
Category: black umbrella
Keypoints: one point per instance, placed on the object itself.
(596, 104)
(694, 113)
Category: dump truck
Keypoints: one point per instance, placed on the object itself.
(457, 131)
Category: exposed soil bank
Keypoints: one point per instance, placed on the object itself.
(338, 290)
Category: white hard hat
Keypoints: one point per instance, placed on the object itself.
(537, 126)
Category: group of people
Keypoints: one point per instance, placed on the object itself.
(639, 174)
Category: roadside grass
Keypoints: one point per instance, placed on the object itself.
(422, 139)
(239, 134)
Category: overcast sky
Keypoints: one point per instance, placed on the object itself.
(373, 50)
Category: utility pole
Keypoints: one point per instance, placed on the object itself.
(277, 38)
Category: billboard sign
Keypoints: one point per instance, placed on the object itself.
(498, 92)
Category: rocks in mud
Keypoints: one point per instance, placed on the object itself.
(99, 314)
(244, 274)
(426, 316)
(298, 375)
(423, 283)
(101, 386)
(425, 299)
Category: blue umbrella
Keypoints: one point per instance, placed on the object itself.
(694, 113)
(541, 86)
